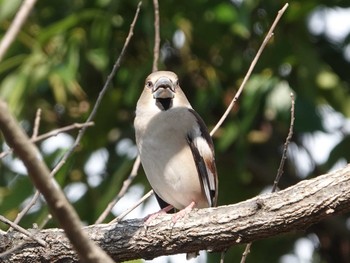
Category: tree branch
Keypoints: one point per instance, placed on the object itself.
(15, 27)
(289, 210)
(251, 68)
(40, 176)
(156, 36)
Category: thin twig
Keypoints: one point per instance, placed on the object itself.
(36, 124)
(249, 72)
(45, 221)
(52, 133)
(222, 256)
(280, 168)
(5, 153)
(285, 147)
(22, 230)
(156, 36)
(136, 165)
(36, 195)
(246, 252)
(25, 210)
(122, 191)
(38, 168)
(34, 135)
(100, 95)
(126, 212)
(16, 25)
(267, 38)
(83, 126)
(63, 129)
(20, 245)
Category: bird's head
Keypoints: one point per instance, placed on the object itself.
(163, 85)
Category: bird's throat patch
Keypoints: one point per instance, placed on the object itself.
(164, 104)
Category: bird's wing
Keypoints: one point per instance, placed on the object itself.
(202, 149)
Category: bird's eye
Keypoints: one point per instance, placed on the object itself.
(149, 84)
(177, 82)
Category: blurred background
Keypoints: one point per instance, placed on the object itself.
(61, 59)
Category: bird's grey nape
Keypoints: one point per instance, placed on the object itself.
(164, 104)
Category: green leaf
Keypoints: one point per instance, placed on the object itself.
(225, 13)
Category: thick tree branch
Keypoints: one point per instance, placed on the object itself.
(289, 210)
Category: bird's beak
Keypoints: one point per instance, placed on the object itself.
(163, 89)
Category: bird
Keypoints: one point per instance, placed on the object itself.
(175, 147)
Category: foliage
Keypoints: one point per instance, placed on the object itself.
(66, 49)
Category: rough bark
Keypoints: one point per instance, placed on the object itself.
(293, 209)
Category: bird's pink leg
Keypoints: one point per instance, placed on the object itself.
(153, 216)
(183, 212)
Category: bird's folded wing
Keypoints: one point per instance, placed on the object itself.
(202, 149)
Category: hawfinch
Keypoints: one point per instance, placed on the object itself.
(175, 148)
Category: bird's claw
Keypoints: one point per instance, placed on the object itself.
(182, 213)
(148, 219)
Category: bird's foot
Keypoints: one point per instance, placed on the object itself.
(148, 219)
(183, 212)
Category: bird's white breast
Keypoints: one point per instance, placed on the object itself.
(166, 157)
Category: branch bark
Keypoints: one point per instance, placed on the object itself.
(289, 210)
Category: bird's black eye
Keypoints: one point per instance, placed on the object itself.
(149, 84)
(177, 82)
